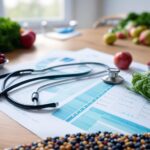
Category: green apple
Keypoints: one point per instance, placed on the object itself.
(109, 38)
(135, 40)
(136, 31)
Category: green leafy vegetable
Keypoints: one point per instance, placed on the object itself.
(141, 84)
(138, 19)
(9, 35)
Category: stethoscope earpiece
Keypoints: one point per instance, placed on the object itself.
(113, 76)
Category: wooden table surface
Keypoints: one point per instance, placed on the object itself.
(11, 133)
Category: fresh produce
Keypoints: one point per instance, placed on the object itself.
(135, 41)
(123, 60)
(129, 25)
(2, 58)
(145, 37)
(109, 38)
(134, 19)
(11, 36)
(27, 39)
(148, 64)
(136, 31)
(137, 26)
(141, 84)
(121, 35)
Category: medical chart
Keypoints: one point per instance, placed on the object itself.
(84, 106)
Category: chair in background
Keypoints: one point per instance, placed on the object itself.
(108, 20)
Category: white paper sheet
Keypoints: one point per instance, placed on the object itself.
(85, 106)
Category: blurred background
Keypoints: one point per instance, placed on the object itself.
(59, 12)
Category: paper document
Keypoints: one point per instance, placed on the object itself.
(85, 106)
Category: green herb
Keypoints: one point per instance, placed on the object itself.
(9, 35)
(141, 84)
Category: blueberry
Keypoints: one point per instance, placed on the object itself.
(148, 146)
(81, 147)
(96, 147)
(137, 144)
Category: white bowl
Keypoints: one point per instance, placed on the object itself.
(2, 65)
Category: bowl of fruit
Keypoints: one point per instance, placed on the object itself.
(3, 60)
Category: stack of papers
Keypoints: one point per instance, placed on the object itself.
(85, 106)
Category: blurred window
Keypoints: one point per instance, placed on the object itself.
(34, 12)
(34, 9)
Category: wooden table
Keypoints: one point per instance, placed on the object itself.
(11, 133)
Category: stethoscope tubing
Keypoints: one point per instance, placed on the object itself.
(50, 105)
(34, 107)
(40, 78)
(29, 71)
(79, 75)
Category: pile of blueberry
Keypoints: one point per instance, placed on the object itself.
(93, 141)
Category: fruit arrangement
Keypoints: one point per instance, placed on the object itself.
(12, 36)
(135, 27)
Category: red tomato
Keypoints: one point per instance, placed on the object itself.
(123, 60)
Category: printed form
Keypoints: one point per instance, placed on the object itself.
(85, 106)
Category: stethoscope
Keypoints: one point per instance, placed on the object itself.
(63, 78)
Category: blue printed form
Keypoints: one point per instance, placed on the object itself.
(95, 119)
(85, 106)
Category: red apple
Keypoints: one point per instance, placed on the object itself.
(145, 37)
(2, 55)
(33, 33)
(123, 60)
(27, 39)
(148, 64)
(121, 35)
(2, 58)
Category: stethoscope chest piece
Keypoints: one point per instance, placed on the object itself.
(113, 77)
